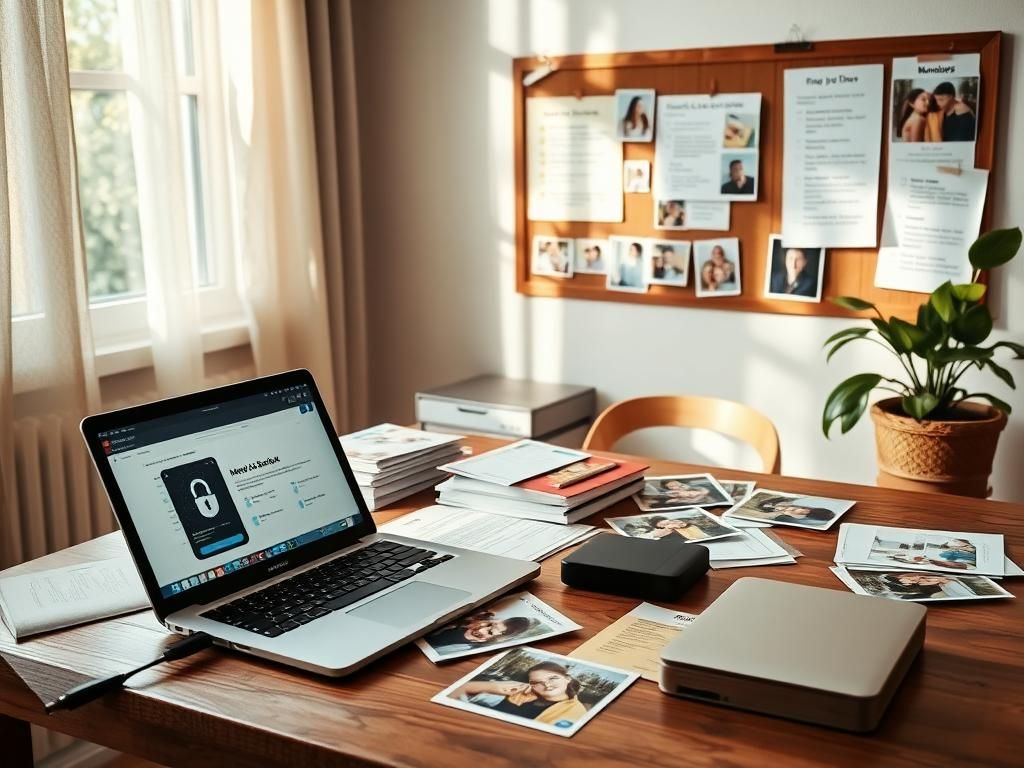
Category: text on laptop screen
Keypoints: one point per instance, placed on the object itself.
(215, 490)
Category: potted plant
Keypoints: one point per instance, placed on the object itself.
(933, 434)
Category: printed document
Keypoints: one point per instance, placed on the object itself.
(514, 463)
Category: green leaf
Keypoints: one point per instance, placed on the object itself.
(1002, 373)
(920, 405)
(960, 354)
(848, 334)
(852, 303)
(907, 331)
(970, 292)
(1018, 349)
(1002, 405)
(973, 326)
(898, 343)
(840, 345)
(995, 248)
(848, 401)
(942, 302)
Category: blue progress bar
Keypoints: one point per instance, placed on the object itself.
(217, 546)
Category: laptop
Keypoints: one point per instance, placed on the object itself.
(244, 520)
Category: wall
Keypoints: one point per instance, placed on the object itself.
(435, 101)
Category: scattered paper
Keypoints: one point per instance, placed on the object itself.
(573, 159)
(514, 463)
(753, 544)
(635, 641)
(485, 532)
(921, 550)
(833, 123)
(917, 586)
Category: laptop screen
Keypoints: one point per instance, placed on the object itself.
(218, 489)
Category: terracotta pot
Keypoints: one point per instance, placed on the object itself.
(937, 456)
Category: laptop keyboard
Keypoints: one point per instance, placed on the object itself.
(336, 584)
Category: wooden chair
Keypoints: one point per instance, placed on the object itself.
(722, 416)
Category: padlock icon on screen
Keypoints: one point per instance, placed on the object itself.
(206, 503)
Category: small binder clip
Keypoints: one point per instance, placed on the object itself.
(795, 42)
(546, 68)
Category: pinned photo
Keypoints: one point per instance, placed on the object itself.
(814, 512)
(935, 109)
(691, 524)
(678, 491)
(737, 181)
(552, 256)
(793, 274)
(510, 620)
(670, 214)
(591, 256)
(668, 262)
(680, 215)
(740, 131)
(635, 110)
(626, 265)
(920, 586)
(636, 176)
(718, 267)
(537, 689)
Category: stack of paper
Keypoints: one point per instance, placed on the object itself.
(483, 532)
(392, 462)
(921, 565)
(518, 481)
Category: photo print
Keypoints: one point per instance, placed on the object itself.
(626, 264)
(691, 524)
(920, 586)
(717, 263)
(510, 620)
(814, 512)
(793, 274)
(668, 262)
(738, 181)
(537, 689)
(677, 491)
(635, 111)
(636, 176)
(591, 256)
(552, 256)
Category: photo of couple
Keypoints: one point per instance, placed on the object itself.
(552, 256)
(537, 689)
(508, 621)
(670, 261)
(815, 512)
(719, 267)
(690, 524)
(920, 586)
(678, 491)
(591, 255)
(934, 109)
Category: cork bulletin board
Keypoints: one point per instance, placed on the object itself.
(747, 69)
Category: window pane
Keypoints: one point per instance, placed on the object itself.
(182, 11)
(92, 30)
(110, 198)
(202, 269)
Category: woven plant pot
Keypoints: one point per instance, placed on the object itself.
(937, 456)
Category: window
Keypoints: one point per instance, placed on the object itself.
(112, 173)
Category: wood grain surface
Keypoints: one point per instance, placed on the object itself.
(737, 69)
(961, 704)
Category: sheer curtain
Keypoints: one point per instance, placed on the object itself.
(295, 170)
(46, 350)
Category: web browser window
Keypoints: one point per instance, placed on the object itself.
(215, 490)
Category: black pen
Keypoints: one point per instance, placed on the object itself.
(100, 686)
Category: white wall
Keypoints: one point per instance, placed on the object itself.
(435, 97)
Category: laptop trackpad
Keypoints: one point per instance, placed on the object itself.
(410, 603)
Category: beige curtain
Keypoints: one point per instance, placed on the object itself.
(289, 92)
(46, 351)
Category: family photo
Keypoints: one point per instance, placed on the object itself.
(676, 491)
(510, 620)
(690, 524)
(793, 274)
(552, 256)
(591, 256)
(933, 109)
(718, 267)
(537, 689)
(814, 512)
(635, 108)
(626, 265)
(669, 262)
(920, 586)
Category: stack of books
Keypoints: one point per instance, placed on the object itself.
(392, 462)
(587, 485)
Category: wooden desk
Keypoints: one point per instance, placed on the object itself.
(961, 704)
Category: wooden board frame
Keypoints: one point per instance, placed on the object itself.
(753, 68)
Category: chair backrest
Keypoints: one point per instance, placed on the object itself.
(723, 416)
